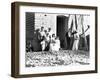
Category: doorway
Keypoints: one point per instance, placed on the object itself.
(62, 28)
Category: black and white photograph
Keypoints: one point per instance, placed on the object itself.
(51, 39)
(57, 39)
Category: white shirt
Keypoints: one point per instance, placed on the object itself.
(42, 33)
(47, 38)
(50, 33)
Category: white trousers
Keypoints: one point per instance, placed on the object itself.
(75, 44)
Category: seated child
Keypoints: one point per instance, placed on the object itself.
(57, 44)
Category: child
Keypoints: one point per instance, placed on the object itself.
(53, 38)
(57, 44)
(50, 32)
(52, 43)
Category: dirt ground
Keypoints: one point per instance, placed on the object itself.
(56, 58)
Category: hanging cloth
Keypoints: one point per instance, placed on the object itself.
(76, 22)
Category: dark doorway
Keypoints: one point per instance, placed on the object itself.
(62, 28)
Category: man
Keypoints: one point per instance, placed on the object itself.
(47, 37)
(50, 32)
(52, 43)
(76, 41)
(76, 24)
(42, 33)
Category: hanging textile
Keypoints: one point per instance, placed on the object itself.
(71, 23)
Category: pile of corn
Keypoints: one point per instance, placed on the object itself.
(56, 58)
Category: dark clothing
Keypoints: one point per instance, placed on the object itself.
(69, 41)
(36, 41)
(88, 41)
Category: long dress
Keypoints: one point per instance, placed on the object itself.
(55, 46)
(35, 42)
(52, 46)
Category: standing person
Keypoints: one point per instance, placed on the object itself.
(45, 31)
(72, 26)
(76, 41)
(68, 39)
(52, 43)
(43, 43)
(42, 33)
(50, 32)
(47, 37)
(76, 25)
(53, 37)
(47, 42)
(36, 40)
